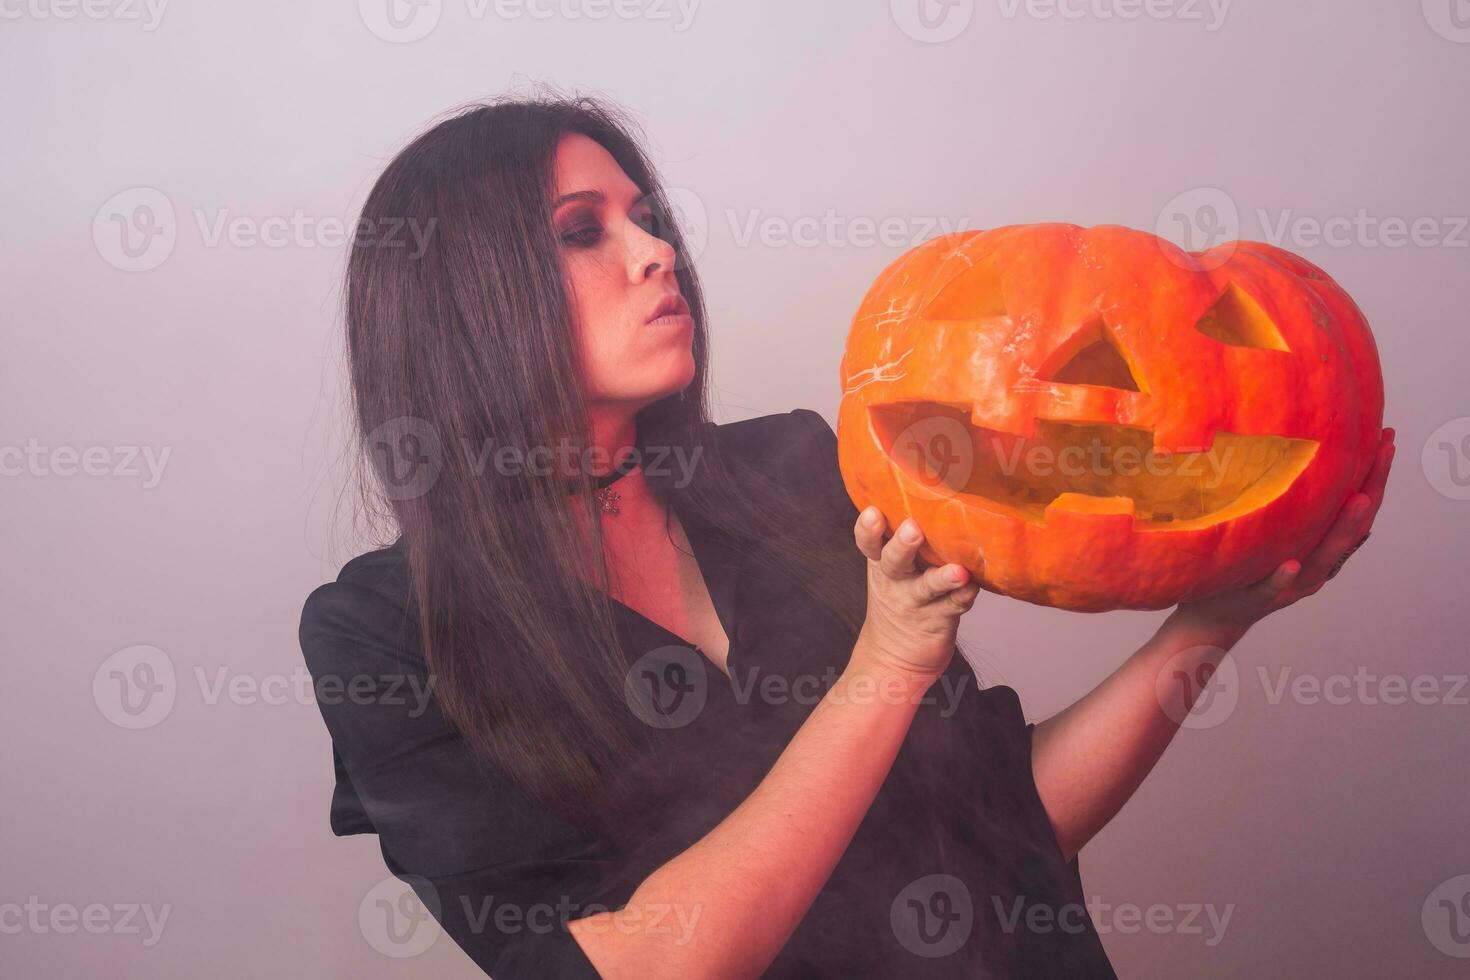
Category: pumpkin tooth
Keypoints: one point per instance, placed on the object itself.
(986, 416)
(1175, 437)
(1083, 503)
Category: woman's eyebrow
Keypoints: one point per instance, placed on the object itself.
(594, 195)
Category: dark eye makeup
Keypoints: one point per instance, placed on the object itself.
(584, 231)
(582, 234)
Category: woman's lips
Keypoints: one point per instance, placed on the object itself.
(672, 305)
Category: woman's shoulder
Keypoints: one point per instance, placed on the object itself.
(783, 432)
(797, 449)
(368, 600)
(797, 442)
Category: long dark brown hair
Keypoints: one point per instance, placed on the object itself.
(463, 337)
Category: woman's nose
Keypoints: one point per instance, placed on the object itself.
(649, 253)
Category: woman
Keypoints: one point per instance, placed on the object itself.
(689, 715)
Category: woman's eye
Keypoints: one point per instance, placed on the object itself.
(582, 236)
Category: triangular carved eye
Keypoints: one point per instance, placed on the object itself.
(974, 294)
(1238, 320)
(1096, 361)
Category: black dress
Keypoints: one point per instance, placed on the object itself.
(954, 872)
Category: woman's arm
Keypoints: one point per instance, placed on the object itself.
(1089, 759)
(725, 906)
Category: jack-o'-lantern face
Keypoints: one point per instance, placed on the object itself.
(1093, 419)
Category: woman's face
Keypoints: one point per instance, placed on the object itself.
(618, 275)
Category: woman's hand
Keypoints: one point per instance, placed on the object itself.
(1238, 609)
(913, 609)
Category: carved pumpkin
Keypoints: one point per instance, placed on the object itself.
(1092, 418)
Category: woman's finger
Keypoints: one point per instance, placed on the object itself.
(901, 553)
(1350, 529)
(1346, 532)
(868, 533)
(1377, 478)
(939, 581)
(964, 597)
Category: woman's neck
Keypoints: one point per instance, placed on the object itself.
(613, 432)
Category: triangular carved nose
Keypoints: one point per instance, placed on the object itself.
(1094, 360)
(1238, 320)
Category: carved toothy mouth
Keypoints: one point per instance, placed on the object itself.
(1085, 468)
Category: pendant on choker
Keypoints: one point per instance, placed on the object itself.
(607, 498)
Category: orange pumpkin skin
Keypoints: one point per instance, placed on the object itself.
(1223, 406)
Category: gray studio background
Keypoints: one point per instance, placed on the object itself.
(175, 180)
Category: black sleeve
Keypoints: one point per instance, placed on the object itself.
(500, 874)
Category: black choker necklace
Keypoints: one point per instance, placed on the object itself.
(607, 497)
